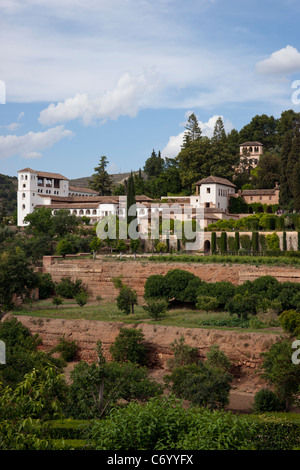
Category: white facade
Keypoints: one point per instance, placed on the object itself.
(35, 186)
(213, 194)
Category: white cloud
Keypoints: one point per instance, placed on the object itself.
(29, 145)
(173, 147)
(124, 100)
(283, 61)
(32, 155)
(13, 126)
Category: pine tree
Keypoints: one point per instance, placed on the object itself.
(101, 181)
(192, 130)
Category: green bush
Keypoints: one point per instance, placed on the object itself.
(46, 285)
(81, 298)
(201, 385)
(273, 241)
(183, 354)
(266, 400)
(68, 289)
(156, 308)
(129, 347)
(68, 349)
(163, 424)
(245, 242)
(155, 287)
(242, 305)
(207, 303)
(290, 321)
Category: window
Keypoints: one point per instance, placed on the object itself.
(23, 195)
(23, 206)
(24, 185)
(208, 190)
(207, 204)
(33, 194)
(251, 198)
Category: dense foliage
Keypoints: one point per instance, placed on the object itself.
(263, 294)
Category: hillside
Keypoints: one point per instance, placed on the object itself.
(117, 178)
(8, 193)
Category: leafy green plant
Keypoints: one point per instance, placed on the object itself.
(156, 308)
(68, 349)
(266, 400)
(183, 354)
(57, 300)
(207, 303)
(200, 384)
(81, 298)
(129, 347)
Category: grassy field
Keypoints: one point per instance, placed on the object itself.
(187, 318)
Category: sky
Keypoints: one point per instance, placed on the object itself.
(120, 78)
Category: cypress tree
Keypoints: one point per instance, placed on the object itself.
(223, 242)
(213, 242)
(130, 198)
(236, 241)
(255, 242)
(284, 241)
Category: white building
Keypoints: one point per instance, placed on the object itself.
(37, 188)
(213, 193)
(41, 189)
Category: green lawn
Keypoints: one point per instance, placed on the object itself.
(109, 312)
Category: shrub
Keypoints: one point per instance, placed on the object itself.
(127, 299)
(273, 241)
(290, 321)
(242, 305)
(68, 289)
(207, 303)
(68, 349)
(201, 385)
(245, 242)
(129, 347)
(266, 400)
(95, 389)
(163, 423)
(217, 358)
(155, 287)
(255, 323)
(81, 298)
(183, 354)
(46, 285)
(57, 300)
(156, 308)
(64, 247)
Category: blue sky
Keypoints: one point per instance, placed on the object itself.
(120, 77)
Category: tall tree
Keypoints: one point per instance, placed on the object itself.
(130, 197)
(154, 165)
(101, 181)
(262, 129)
(285, 194)
(267, 173)
(192, 130)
